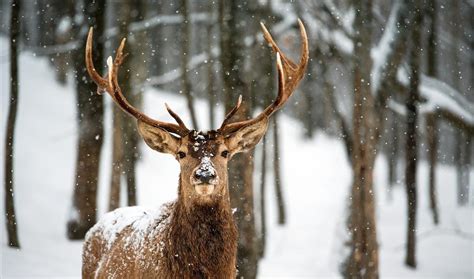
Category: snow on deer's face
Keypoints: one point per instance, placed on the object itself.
(203, 158)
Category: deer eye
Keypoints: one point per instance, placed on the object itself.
(225, 153)
(181, 154)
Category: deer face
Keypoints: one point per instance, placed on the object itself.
(203, 157)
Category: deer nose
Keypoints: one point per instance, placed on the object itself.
(204, 176)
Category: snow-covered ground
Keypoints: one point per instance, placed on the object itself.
(316, 178)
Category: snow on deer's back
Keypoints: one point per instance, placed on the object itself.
(124, 232)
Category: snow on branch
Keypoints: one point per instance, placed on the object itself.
(175, 74)
(318, 30)
(163, 20)
(54, 49)
(380, 53)
(383, 53)
(437, 96)
(134, 27)
(440, 95)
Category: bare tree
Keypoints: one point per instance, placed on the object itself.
(90, 112)
(234, 22)
(393, 150)
(431, 119)
(277, 173)
(186, 55)
(411, 152)
(12, 232)
(263, 217)
(125, 136)
(211, 86)
(117, 159)
(363, 259)
(120, 122)
(432, 141)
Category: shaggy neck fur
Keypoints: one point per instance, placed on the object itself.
(202, 241)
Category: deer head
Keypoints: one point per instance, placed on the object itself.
(203, 156)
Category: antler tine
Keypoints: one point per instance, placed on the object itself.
(175, 116)
(232, 112)
(112, 87)
(98, 79)
(289, 75)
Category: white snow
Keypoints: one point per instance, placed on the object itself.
(437, 94)
(65, 25)
(174, 74)
(316, 178)
(163, 19)
(138, 218)
(383, 49)
(318, 31)
(206, 168)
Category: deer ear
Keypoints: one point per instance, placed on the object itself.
(158, 139)
(247, 137)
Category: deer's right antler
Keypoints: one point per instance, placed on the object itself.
(109, 84)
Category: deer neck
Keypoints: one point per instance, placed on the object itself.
(203, 238)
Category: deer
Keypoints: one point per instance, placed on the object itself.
(194, 236)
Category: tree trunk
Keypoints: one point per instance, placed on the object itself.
(263, 219)
(138, 62)
(411, 139)
(186, 57)
(125, 135)
(363, 258)
(12, 232)
(90, 134)
(432, 141)
(210, 75)
(463, 142)
(393, 152)
(277, 172)
(117, 159)
(431, 119)
(234, 22)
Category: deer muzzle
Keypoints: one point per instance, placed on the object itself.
(205, 177)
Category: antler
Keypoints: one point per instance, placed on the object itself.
(109, 84)
(289, 75)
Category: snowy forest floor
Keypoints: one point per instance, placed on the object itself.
(316, 179)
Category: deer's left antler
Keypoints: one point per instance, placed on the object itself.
(289, 75)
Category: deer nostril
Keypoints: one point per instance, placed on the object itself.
(204, 177)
